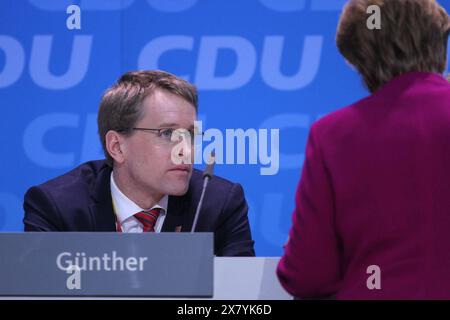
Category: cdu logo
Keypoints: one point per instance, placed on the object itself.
(247, 60)
(261, 58)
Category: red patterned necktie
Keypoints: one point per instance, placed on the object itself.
(148, 219)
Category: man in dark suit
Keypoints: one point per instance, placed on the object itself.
(147, 182)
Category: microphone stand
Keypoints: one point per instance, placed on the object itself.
(207, 175)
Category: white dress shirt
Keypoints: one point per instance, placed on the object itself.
(125, 209)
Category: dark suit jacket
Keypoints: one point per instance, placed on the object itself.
(375, 190)
(80, 200)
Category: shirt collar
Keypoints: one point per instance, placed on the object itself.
(125, 208)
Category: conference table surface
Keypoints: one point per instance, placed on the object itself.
(235, 278)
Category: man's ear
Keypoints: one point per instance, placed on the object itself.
(114, 146)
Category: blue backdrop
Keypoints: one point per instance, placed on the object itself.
(257, 64)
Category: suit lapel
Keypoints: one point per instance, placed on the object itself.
(101, 209)
(181, 209)
(177, 214)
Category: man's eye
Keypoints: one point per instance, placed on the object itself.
(166, 133)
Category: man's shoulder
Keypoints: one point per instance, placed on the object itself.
(219, 190)
(63, 203)
(82, 177)
(217, 183)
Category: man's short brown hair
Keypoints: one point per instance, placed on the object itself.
(413, 37)
(121, 106)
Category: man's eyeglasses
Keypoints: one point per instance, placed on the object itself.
(171, 135)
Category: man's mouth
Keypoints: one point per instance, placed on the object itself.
(181, 169)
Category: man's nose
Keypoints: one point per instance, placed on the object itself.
(185, 152)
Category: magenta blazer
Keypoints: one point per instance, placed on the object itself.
(375, 191)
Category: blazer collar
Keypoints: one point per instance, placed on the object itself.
(177, 215)
(101, 209)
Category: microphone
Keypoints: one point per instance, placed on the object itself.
(207, 175)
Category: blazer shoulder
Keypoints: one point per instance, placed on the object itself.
(217, 183)
(74, 182)
(343, 116)
(60, 204)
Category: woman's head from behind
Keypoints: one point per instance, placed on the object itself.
(412, 37)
